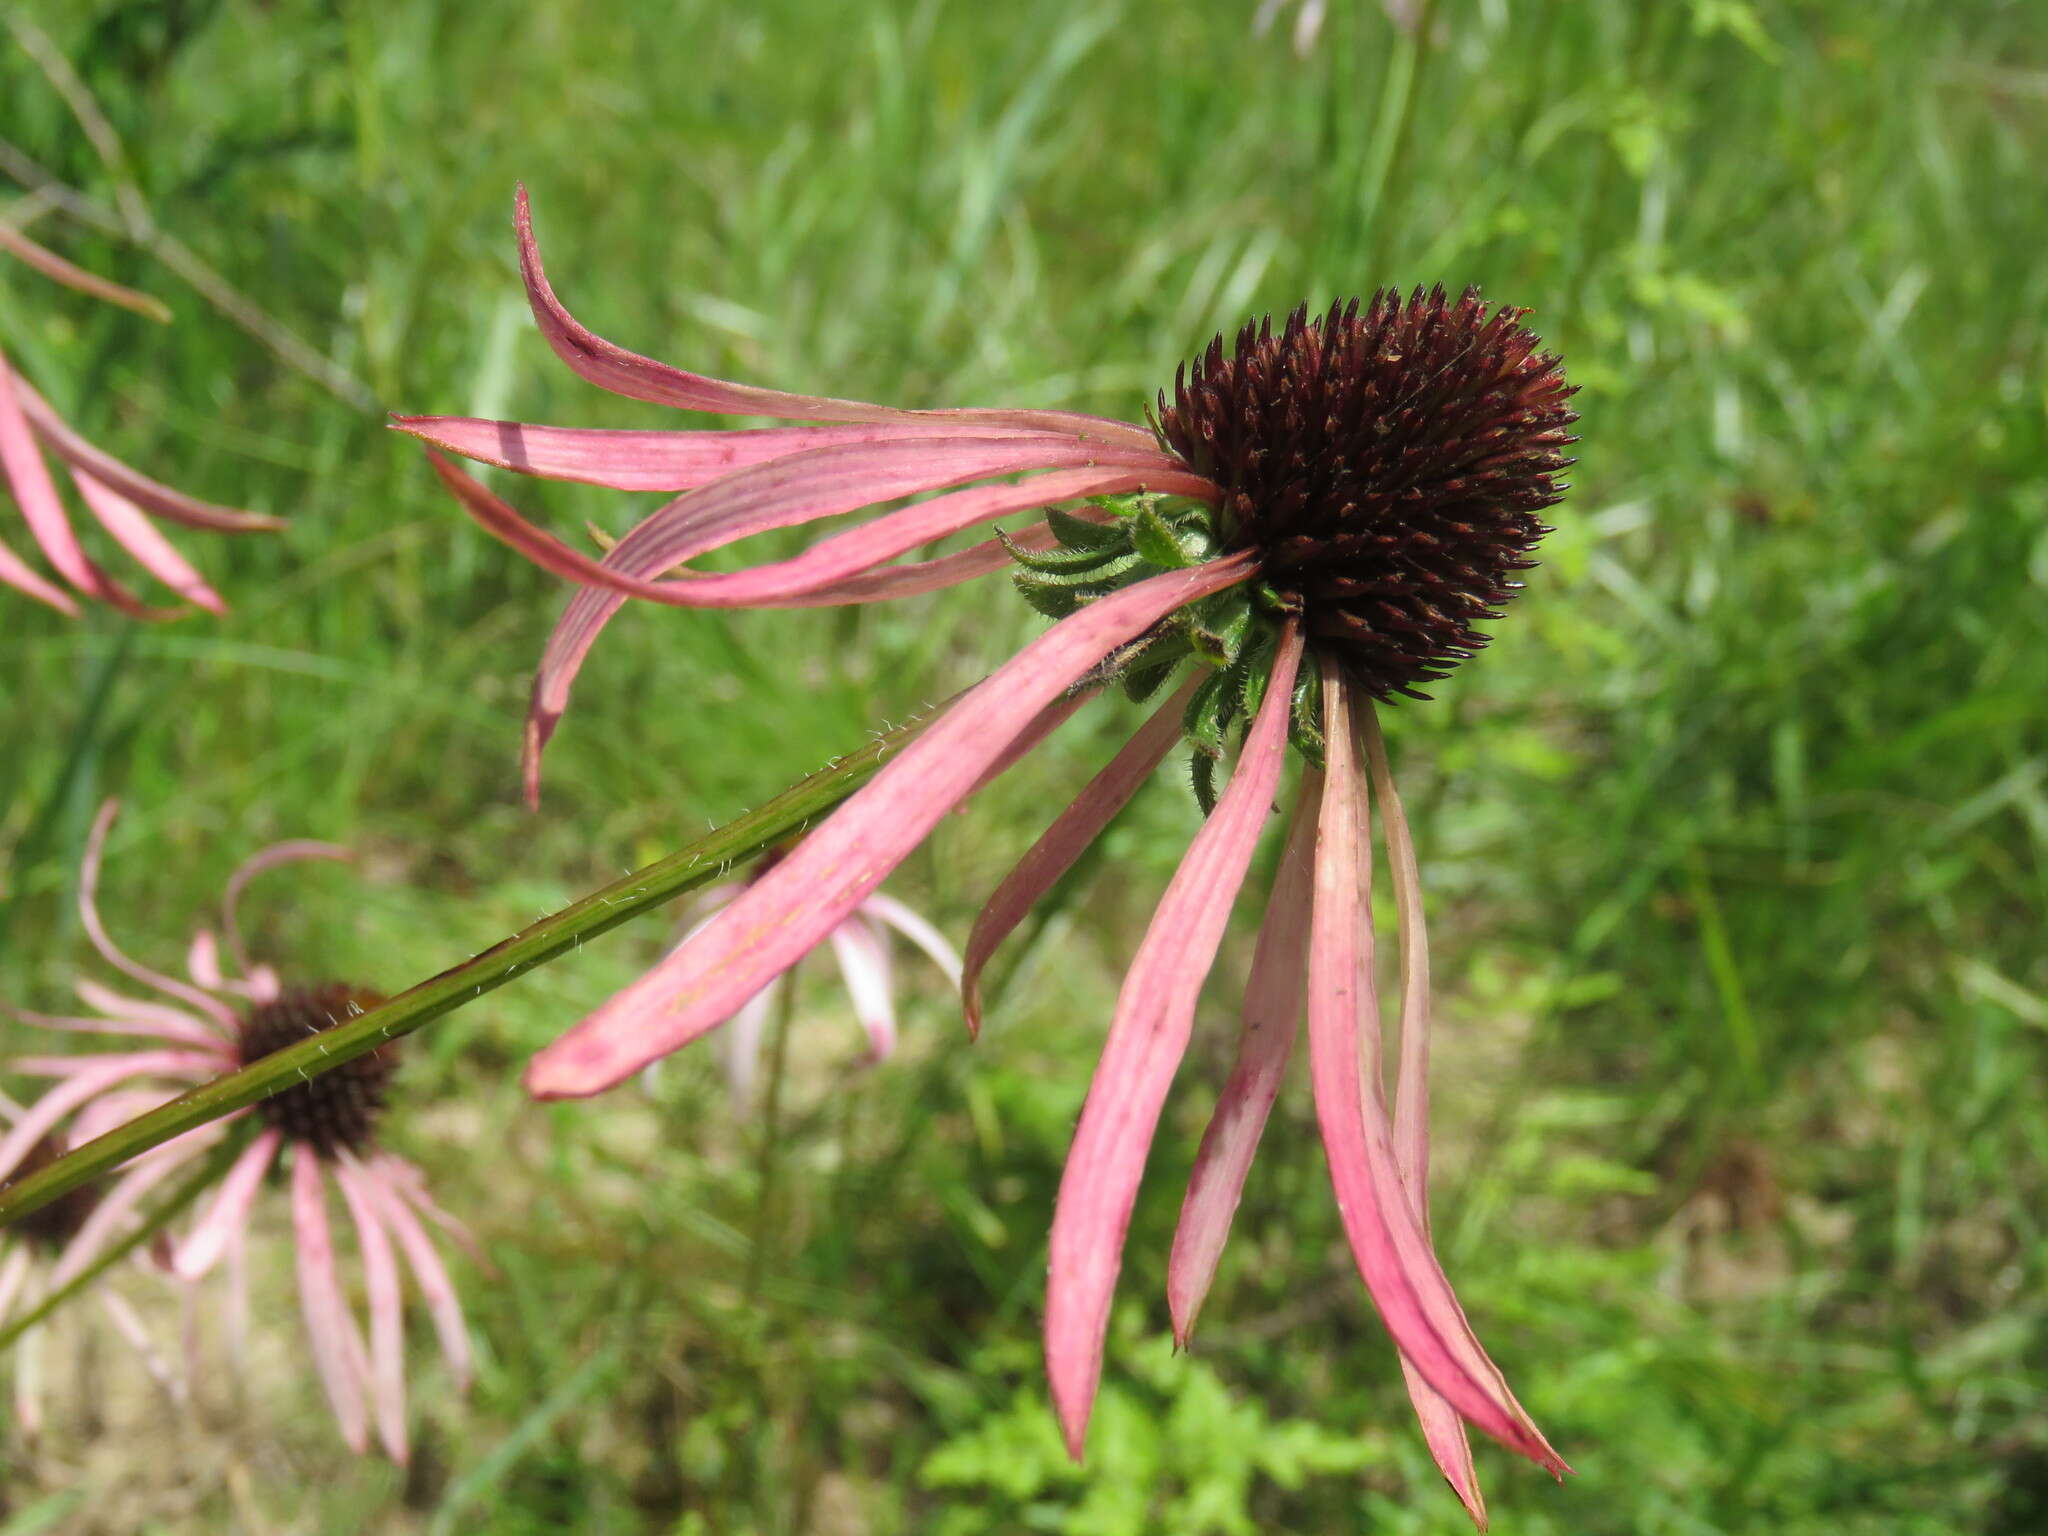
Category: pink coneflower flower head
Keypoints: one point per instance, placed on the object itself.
(1316, 519)
(126, 503)
(321, 1131)
(861, 947)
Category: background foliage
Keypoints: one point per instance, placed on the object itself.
(1737, 838)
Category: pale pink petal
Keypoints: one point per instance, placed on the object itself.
(1028, 740)
(49, 1110)
(118, 1107)
(1387, 1241)
(785, 914)
(740, 1042)
(436, 1289)
(661, 460)
(387, 1318)
(865, 966)
(202, 962)
(914, 927)
(192, 1034)
(1155, 1014)
(295, 851)
(151, 495)
(1272, 1016)
(626, 373)
(28, 477)
(844, 555)
(330, 1329)
(131, 528)
(132, 1063)
(89, 914)
(1449, 1444)
(28, 1381)
(229, 1213)
(15, 573)
(806, 488)
(1072, 831)
(409, 1180)
(144, 1017)
(13, 1270)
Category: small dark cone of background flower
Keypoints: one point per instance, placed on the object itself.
(1387, 464)
(338, 1109)
(55, 1224)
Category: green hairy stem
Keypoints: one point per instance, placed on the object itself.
(698, 864)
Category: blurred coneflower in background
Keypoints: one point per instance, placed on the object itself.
(322, 1131)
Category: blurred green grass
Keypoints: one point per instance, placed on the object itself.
(1737, 838)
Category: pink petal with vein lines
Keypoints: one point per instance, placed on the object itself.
(337, 1348)
(229, 1213)
(1272, 1017)
(865, 966)
(151, 495)
(786, 913)
(1155, 1014)
(1449, 1445)
(626, 373)
(1387, 1241)
(625, 460)
(1065, 841)
(436, 1289)
(387, 1319)
(131, 528)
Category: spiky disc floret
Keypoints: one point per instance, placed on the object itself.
(340, 1108)
(1388, 465)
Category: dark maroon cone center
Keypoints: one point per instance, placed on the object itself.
(340, 1108)
(1387, 464)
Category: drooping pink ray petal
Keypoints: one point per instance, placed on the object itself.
(740, 1041)
(613, 368)
(846, 555)
(16, 573)
(191, 1034)
(73, 276)
(202, 962)
(408, 1180)
(135, 1063)
(1387, 1241)
(121, 1105)
(1272, 1017)
(297, 850)
(664, 460)
(865, 966)
(28, 1379)
(1155, 1014)
(51, 1108)
(151, 495)
(13, 1270)
(147, 1018)
(1066, 840)
(131, 528)
(28, 477)
(917, 577)
(229, 1213)
(436, 1289)
(1449, 1445)
(804, 488)
(387, 1319)
(786, 913)
(916, 928)
(330, 1329)
(89, 914)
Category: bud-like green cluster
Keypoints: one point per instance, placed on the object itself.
(1231, 633)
